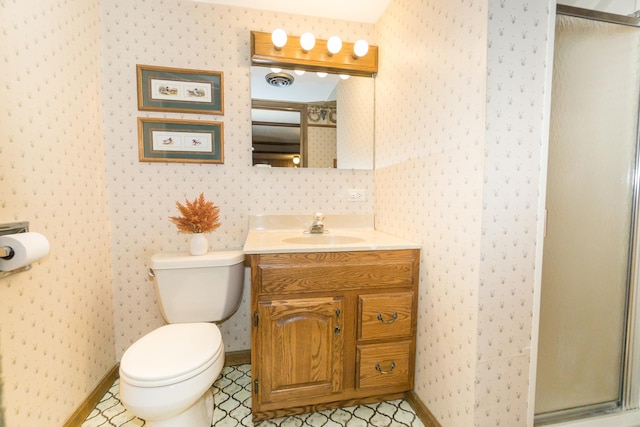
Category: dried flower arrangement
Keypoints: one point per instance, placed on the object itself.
(198, 216)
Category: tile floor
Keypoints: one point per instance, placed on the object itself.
(233, 408)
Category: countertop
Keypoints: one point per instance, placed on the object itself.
(285, 234)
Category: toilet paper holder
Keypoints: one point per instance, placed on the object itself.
(6, 252)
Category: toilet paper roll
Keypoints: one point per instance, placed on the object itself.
(27, 248)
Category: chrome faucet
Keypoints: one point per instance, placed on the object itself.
(317, 227)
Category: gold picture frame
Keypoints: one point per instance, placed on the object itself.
(180, 90)
(180, 141)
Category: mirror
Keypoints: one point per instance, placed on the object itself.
(311, 122)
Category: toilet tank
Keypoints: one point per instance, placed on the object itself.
(205, 288)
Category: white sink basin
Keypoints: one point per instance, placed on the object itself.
(323, 239)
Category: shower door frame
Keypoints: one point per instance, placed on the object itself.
(629, 395)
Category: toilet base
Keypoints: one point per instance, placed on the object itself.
(200, 414)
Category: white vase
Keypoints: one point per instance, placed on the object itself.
(198, 245)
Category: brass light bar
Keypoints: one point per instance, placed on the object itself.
(291, 55)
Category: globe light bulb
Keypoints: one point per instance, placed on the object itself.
(307, 41)
(279, 38)
(334, 44)
(360, 48)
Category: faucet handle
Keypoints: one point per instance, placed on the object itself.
(318, 216)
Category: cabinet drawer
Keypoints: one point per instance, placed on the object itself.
(334, 271)
(384, 365)
(385, 315)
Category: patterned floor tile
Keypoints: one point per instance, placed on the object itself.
(232, 393)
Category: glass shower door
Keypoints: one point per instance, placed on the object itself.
(590, 194)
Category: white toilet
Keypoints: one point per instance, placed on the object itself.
(166, 376)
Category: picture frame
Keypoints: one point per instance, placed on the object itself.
(180, 90)
(181, 141)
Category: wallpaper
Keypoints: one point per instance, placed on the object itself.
(356, 101)
(459, 158)
(56, 320)
(429, 163)
(458, 167)
(184, 34)
(516, 140)
(322, 146)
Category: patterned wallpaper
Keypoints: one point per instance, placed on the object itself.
(322, 146)
(185, 34)
(429, 165)
(519, 42)
(356, 100)
(56, 320)
(458, 167)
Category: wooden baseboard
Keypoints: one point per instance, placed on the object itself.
(421, 410)
(77, 418)
(234, 358)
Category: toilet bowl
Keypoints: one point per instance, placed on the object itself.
(166, 376)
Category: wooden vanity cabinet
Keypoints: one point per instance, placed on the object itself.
(331, 329)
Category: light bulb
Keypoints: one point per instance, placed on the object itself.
(299, 72)
(360, 48)
(296, 160)
(344, 76)
(307, 41)
(279, 38)
(334, 44)
(276, 70)
(321, 74)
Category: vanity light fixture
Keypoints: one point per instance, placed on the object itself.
(311, 54)
(344, 76)
(321, 74)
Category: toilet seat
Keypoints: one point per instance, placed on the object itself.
(171, 354)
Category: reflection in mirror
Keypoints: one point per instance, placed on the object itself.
(309, 121)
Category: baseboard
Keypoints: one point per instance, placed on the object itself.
(421, 410)
(77, 418)
(234, 358)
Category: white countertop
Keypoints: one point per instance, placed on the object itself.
(285, 234)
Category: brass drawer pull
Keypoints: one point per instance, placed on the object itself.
(379, 369)
(394, 316)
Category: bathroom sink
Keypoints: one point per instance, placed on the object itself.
(323, 239)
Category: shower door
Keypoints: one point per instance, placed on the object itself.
(590, 199)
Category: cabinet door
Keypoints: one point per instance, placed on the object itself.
(301, 350)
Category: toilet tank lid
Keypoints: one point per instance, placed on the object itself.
(174, 260)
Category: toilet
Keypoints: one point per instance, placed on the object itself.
(166, 376)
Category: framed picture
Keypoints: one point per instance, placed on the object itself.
(183, 141)
(179, 90)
